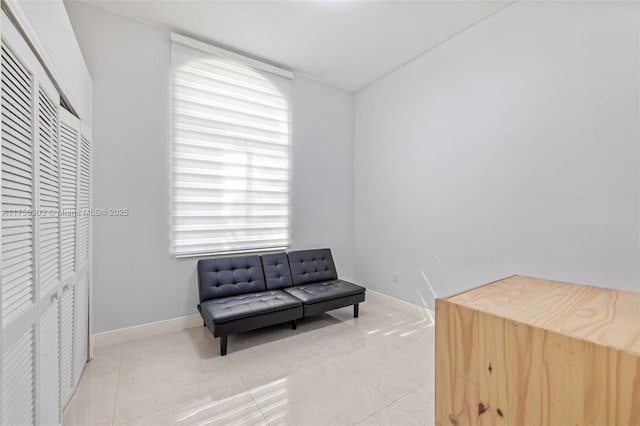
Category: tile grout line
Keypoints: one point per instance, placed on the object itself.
(115, 402)
(246, 388)
(374, 413)
(364, 379)
(341, 363)
(407, 411)
(411, 414)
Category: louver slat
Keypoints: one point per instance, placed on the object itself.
(18, 382)
(49, 193)
(17, 188)
(81, 330)
(49, 367)
(84, 200)
(68, 198)
(67, 307)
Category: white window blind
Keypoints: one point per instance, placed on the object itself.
(231, 152)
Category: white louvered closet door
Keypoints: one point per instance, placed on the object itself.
(49, 371)
(48, 191)
(81, 337)
(69, 134)
(69, 138)
(45, 169)
(67, 310)
(48, 255)
(81, 332)
(84, 199)
(19, 291)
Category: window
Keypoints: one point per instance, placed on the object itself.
(230, 152)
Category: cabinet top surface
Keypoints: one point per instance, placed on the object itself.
(601, 315)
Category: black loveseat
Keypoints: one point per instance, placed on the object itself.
(242, 293)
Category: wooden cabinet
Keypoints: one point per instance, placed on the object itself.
(529, 351)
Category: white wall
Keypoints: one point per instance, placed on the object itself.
(322, 122)
(136, 280)
(50, 22)
(512, 148)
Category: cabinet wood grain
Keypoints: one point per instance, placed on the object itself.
(529, 351)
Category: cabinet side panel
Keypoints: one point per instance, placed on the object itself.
(624, 388)
(493, 392)
(456, 365)
(528, 375)
(511, 370)
(443, 365)
(565, 368)
(599, 364)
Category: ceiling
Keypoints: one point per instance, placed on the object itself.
(347, 44)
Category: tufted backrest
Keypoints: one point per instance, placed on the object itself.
(276, 271)
(229, 276)
(309, 266)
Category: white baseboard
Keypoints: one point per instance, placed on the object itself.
(92, 345)
(421, 310)
(182, 323)
(144, 330)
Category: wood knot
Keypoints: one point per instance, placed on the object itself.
(499, 411)
(490, 368)
(482, 408)
(453, 420)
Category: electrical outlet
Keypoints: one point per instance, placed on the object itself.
(394, 278)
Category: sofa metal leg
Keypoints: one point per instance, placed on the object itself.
(223, 345)
(294, 324)
(355, 310)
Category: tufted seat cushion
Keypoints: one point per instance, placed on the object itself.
(320, 292)
(247, 305)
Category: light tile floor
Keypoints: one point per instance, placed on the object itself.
(333, 370)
